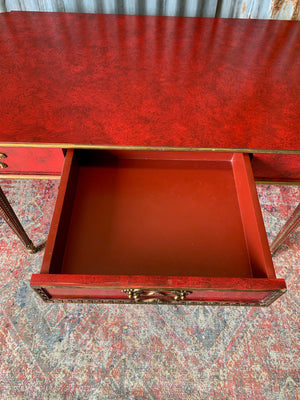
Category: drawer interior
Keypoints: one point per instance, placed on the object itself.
(157, 213)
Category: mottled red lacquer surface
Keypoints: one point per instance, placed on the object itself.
(149, 81)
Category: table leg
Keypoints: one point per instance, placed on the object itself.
(287, 229)
(12, 220)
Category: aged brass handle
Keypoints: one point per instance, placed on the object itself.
(2, 155)
(156, 296)
(3, 165)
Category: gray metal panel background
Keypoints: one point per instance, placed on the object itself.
(263, 9)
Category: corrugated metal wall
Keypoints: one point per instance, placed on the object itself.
(266, 9)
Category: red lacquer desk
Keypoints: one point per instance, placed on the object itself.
(172, 97)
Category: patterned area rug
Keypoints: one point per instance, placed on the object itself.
(79, 351)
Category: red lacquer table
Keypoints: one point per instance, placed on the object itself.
(166, 87)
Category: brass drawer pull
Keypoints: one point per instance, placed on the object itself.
(2, 155)
(156, 296)
(3, 165)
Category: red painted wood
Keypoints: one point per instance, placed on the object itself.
(61, 216)
(32, 161)
(144, 218)
(276, 167)
(139, 215)
(233, 290)
(256, 238)
(141, 81)
(130, 213)
(151, 281)
(199, 296)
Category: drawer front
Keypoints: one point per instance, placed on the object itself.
(24, 161)
(199, 291)
(276, 168)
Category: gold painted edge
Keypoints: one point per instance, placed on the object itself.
(285, 183)
(23, 176)
(157, 148)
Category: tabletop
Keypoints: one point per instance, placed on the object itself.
(113, 80)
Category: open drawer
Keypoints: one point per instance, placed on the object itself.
(162, 227)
